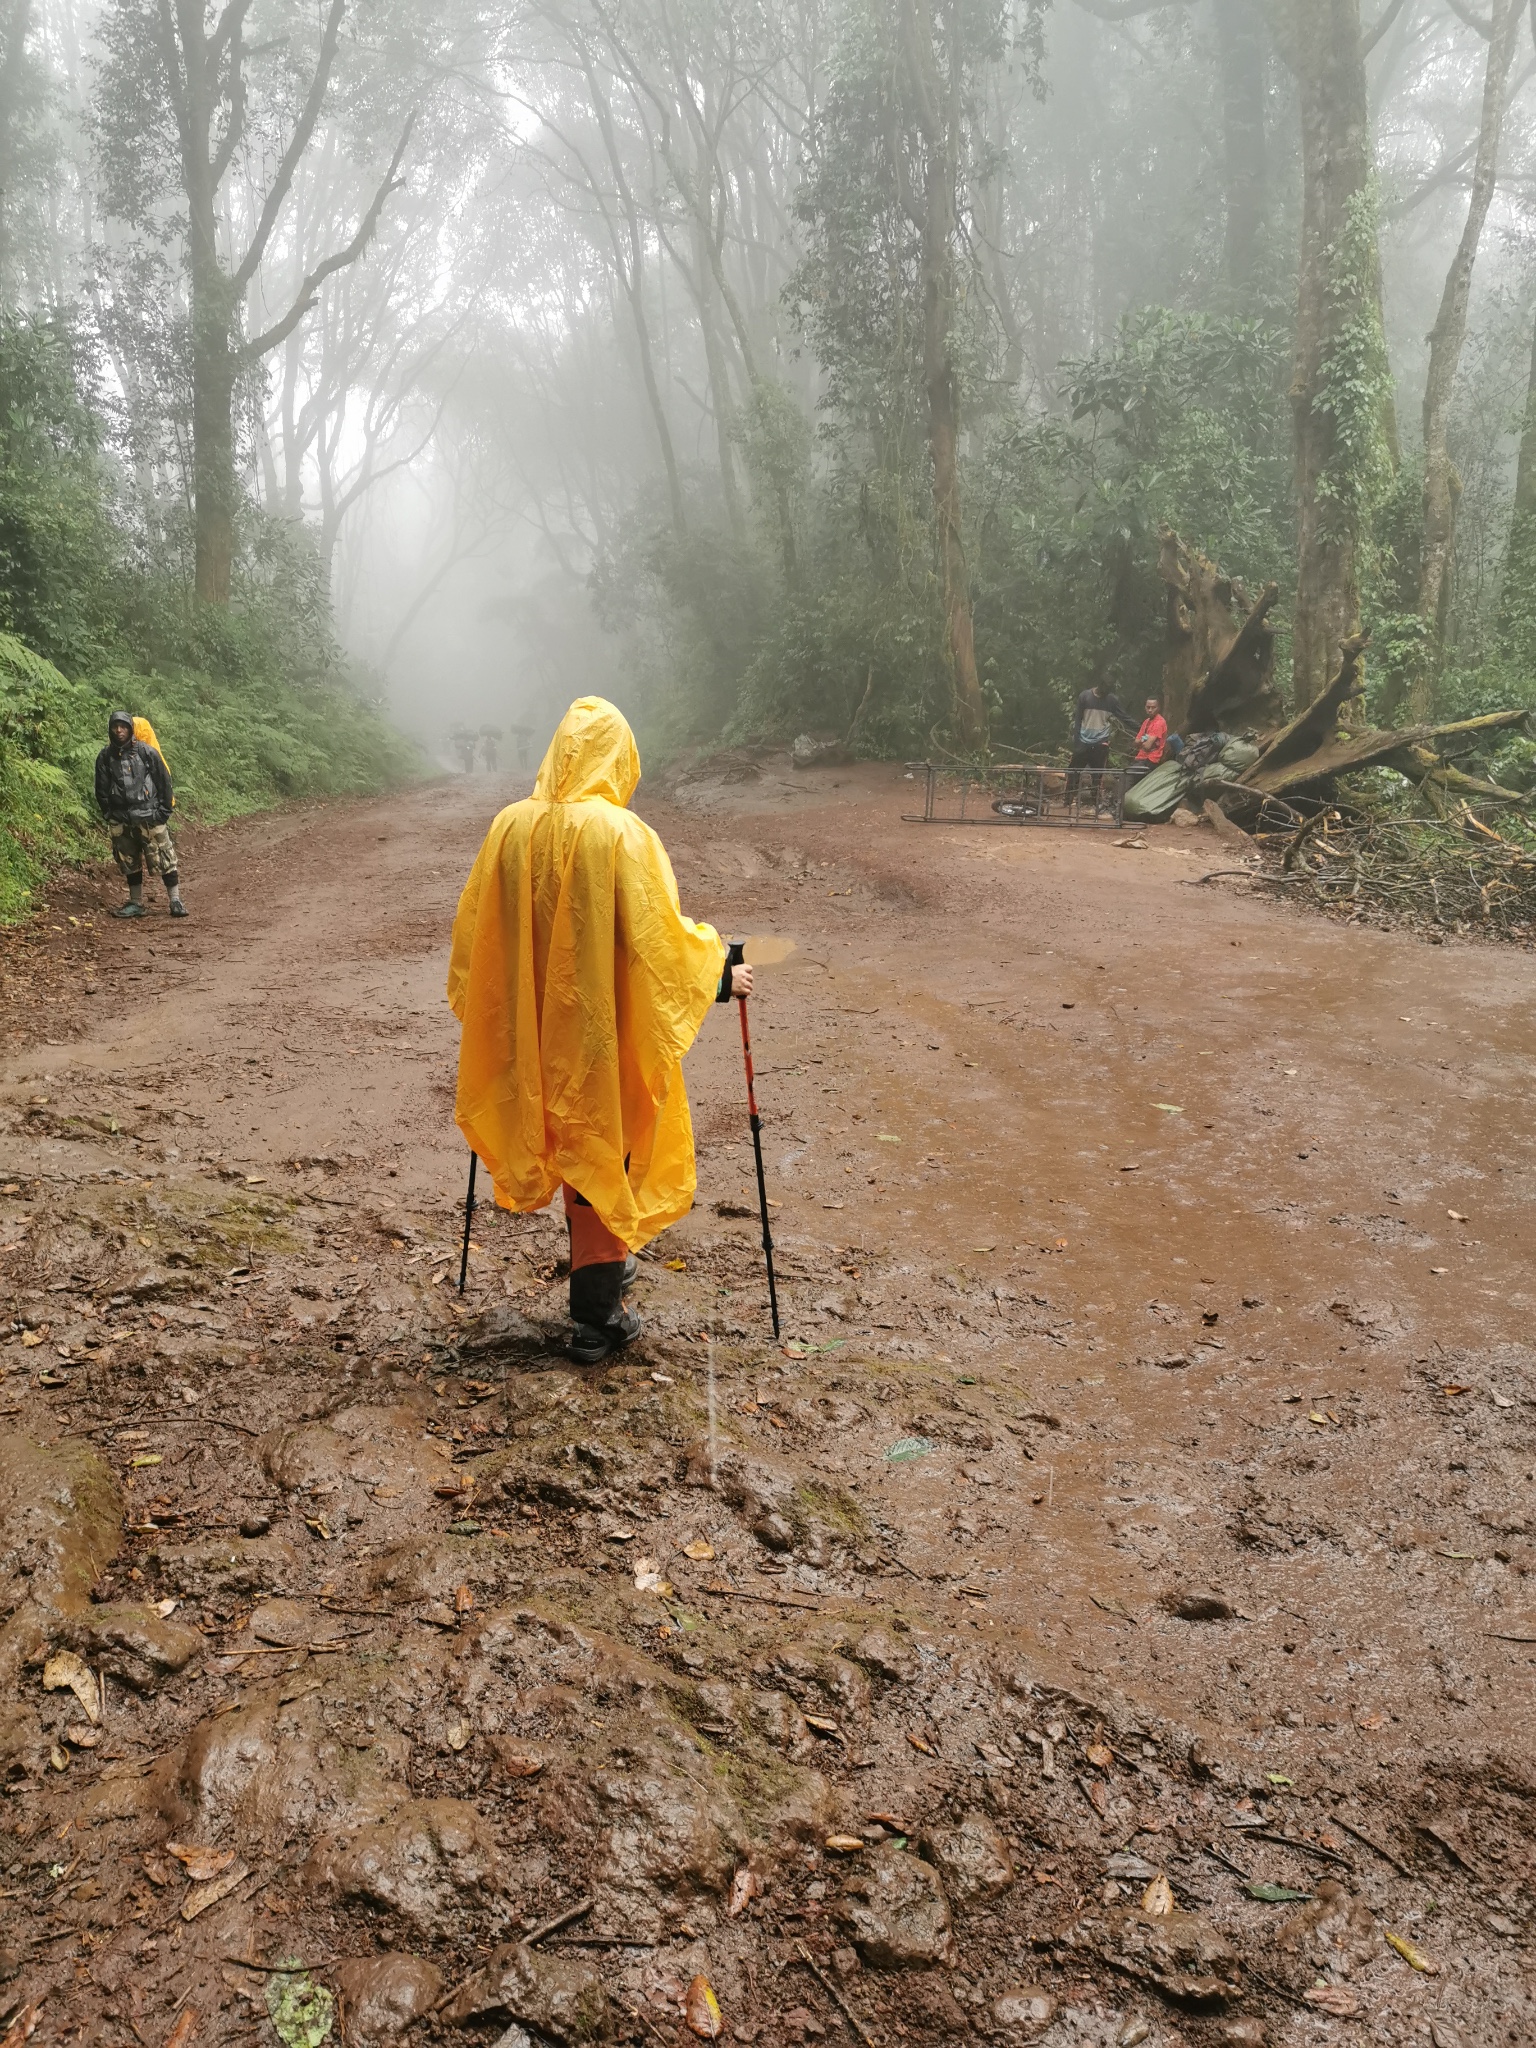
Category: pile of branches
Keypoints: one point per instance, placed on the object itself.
(1453, 874)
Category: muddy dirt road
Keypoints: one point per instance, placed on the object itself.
(1145, 1490)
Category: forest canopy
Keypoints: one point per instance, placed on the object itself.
(825, 364)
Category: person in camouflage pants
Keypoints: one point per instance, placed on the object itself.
(133, 794)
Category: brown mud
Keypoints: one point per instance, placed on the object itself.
(1144, 1488)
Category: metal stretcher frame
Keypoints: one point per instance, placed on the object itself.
(1037, 789)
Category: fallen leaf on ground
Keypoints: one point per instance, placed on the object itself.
(1335, 1998)
(700, 1548)
(144, 1458)
(302, 2012)
(701, 2009)
(1098, 1798)
(1455, 1215)
(918, 1743)
(30, 1340)
(648, 1578)
(199, 1862)
(907, 1447)
(184, 2029)
(65, 1668)
(844, 1845)
(458, 1736)
(1157, 1899)
(23, 2027)
(744, 1889)
(1415, 1958)
(1370, 1720)
(1172, 1108)
(823, 1726)
(1275, 1894)
(1101, 1754)
(202, 1896)
(675, 1265)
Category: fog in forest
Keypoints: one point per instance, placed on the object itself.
(766, 365)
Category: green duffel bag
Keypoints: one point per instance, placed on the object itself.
(1157, 795)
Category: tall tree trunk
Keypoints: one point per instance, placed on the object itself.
(1245, 155)
(1518, 590)
(1340, 390)
(1442, 486)
(938, 97)
(215, 482)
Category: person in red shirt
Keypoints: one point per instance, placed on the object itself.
(1151, 740)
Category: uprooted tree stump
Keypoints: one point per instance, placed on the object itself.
(1218, 671)
(1218, 676)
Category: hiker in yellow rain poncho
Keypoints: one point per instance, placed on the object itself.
(580, 985)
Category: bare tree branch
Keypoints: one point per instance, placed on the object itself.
(262, 344)
(298, 142)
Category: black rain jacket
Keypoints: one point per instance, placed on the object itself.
(133, 784)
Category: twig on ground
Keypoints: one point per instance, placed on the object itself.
(803, 1955)
(1361, 1836)
(566, 1919)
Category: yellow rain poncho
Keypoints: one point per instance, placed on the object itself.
(580, 985)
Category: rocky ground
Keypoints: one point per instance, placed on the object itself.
(1107, 1617)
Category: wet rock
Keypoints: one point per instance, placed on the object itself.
(776, 1720)
(499, 1332)
(425, 1568)
(1024, 2009)
(1188, 1606)
(1334, 1931)
(60, 1520)
(773, 1532)
(271, 1771)
(660, 1820)
(559, 1996)
(897, 1914)
(223, 1565)
(888, 1656)
(1180, 1954)
(360, 1446)
(133, 1643)
(255, 1525)
(383, 1995)
(841, 1684)
(972, 1859)
(284, 1622)
(426, 1860)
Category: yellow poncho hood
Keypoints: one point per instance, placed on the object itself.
(580, 985)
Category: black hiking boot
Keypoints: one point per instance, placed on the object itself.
(589, 1346)
(129, 910)
(178, 908)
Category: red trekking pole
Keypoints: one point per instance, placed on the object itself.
(734, 959)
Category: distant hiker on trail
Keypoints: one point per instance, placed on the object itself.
(1090, 736)
(488, 739)
(464, 746)
(133, 794)
(1151, 740)
(523, 734)
(580, 985)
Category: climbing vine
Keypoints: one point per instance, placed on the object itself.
(1355, 380)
